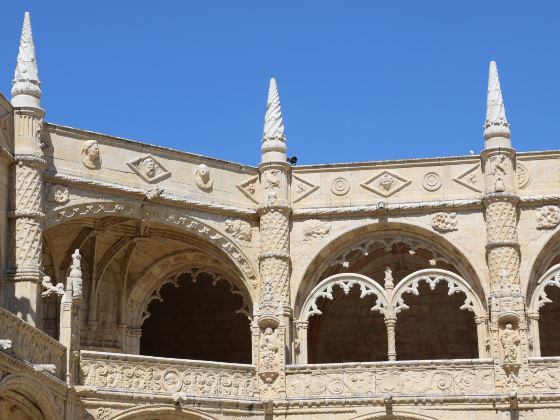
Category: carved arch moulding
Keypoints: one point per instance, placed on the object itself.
(539, 297)
(432, 277)
(148, 287)
(345, 281)
(172, 217)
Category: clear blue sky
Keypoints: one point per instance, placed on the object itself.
(358, 80)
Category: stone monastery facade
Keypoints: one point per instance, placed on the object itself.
(140, 282)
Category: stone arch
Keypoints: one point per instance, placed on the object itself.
(543, 325)
(33, 391)
(161, 412)
(545, 258)
(432, 277)
(345, 282)
(172, 217)
(447, 324)
(393, 415)
(166, 270)
(417, 236)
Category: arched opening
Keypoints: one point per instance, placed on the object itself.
(549, 320)
(434, 326)
(200, 319)
(347, 330)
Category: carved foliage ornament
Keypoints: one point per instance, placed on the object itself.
(91, 155)
(548, 217)
(445, 222)
(315, 229)
(239, 229)
(58, 194)
(148, 168)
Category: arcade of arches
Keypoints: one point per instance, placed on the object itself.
(194, 313)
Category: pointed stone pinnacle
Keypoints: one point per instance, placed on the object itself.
(26, 78)
(273, 123)
(496, 124)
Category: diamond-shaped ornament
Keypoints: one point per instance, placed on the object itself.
(148, 168)
(386, 183)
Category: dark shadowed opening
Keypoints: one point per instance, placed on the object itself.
(434, 327)
(549, 322)
(347, 330)
(197, 320)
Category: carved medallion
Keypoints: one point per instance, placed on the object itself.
(91, 155)
(340, 186)
(548, 217)
(470, 178)
(386, 183)
(523, 176)
(149, 169)
(445, 222)
(203, 178)
(58, 194)
(431, 182)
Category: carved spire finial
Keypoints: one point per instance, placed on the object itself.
(496, 127)
(26, 89)
(274, 142)
(74, 282)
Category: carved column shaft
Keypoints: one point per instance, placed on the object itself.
(302, 330)
(23, 294)
(391, 322)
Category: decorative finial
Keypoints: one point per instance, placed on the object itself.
(75, 278)
(388, 285)
(26, 89)
(496, 125)
(274, 142)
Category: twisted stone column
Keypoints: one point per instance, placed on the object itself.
(391, 322)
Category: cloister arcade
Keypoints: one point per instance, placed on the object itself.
(390, 293)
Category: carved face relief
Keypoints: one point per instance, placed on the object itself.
(202, 177)
(386, 182)
(91, 155)
(148, 168)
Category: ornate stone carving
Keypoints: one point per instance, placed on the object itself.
(509, 340)
(203, 178)
(75, 277)
(315, 229)
(548, 217)
(431, 181)
(29, 188)
(26, 78)
(340, 186)
(148, 168)
(445, 222)
(269, 351)
(239, 229)
(91, 155)
(137, 374)
(386, 183)
(470, 178)
(499, 167)
(302, 188)
(249, 188)
(272, 185)
(523, 176)
(153, 193)
(58, 194)
(28, 253)
(51, 289)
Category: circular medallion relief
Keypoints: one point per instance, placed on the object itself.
(432, 181)
(523, 177)
(340, 186)
(172, 380)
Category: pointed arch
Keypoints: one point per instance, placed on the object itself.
(33, 390)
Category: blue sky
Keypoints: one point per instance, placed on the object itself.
(359, 80)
